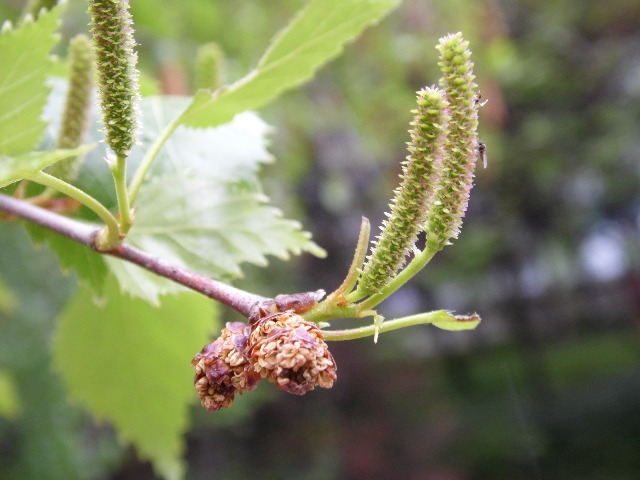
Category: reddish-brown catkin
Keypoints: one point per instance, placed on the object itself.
(291, 353)
(223, 369)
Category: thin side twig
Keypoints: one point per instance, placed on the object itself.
(85, 233)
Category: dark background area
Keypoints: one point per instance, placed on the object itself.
(548, 386)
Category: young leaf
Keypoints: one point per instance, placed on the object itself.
(14, 169)
(24, 56)
(127, 364)
(315, 36)
(229, 153)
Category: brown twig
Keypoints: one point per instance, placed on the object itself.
(85, 233)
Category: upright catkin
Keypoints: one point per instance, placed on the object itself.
(412, 198)
(75, 118)
(456, 176)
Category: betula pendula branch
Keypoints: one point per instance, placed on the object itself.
(84, 233)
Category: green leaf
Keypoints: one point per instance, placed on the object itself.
(204, 209)
(129, 363)
(9, 397)
(7, 302)
(315, 36)
(140, 283)
(14, 169)
(72, 256)
(25, 60)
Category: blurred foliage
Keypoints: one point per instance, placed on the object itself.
(549, 384)
(46, 437)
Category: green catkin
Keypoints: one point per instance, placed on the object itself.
(209, 67)
(117, 77)
(456, 176)
(75, 117)
(411, 201)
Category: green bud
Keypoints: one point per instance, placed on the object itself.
(76, 111)
(412, 198)
(456, 176)
(117, 76)
(209, 67)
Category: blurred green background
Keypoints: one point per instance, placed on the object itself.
(547, 387)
